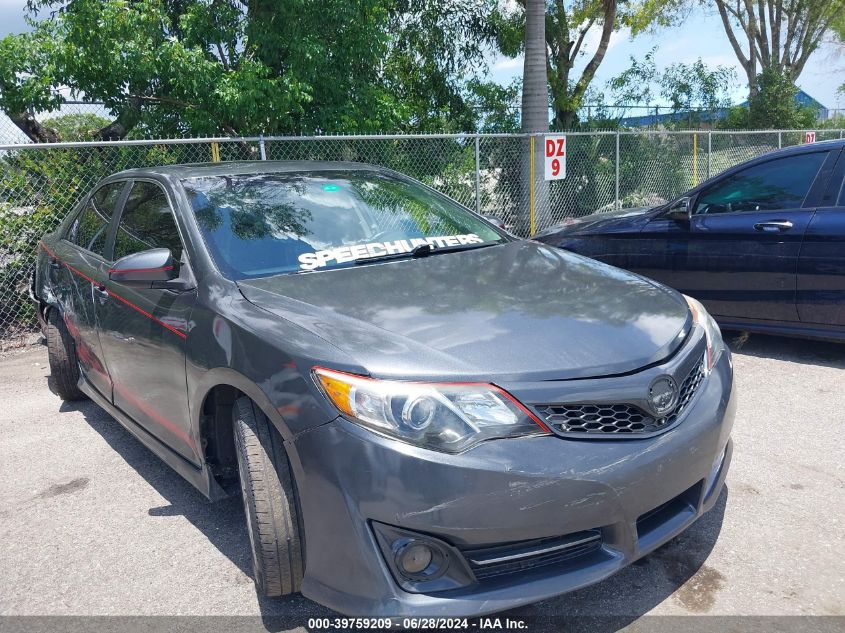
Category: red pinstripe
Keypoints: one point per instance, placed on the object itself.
(178, 333)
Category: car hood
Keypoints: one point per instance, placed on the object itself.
(511, 312)
(622, 220)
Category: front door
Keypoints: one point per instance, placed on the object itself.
(739, 252)
(144, 330)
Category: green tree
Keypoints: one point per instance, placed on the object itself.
(84, 126)
(697, 87)
(773, 105)
(247, 67)
(776, 37)
(636, 84)
(691, 89)
(576, 29)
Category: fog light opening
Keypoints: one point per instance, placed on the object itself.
(419, 560)
(415, 558)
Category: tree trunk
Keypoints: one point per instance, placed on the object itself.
(123, 124)
(35, 131)
(535, 110)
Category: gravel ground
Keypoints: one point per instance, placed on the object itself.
(92, 523)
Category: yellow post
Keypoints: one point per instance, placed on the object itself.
(532, 216)
(215, 153)
(695, 160)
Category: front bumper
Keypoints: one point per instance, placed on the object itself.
(500, 492)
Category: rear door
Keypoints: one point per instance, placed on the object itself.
(143, 330)
(821, 265)
(77, 270)
(739, 252)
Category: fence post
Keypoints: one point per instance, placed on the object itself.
(532, 213)
(709, 152)
(695, 159)
(616, 203)
(477, 176)
(780, 139)
(261, 147)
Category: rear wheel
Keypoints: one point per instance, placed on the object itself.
(61, 352)
(270, 502)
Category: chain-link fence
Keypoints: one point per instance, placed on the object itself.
(41, 184)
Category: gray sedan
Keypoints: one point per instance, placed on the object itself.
(424, 415)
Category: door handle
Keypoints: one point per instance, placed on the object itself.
(775, 226)
(101, 288)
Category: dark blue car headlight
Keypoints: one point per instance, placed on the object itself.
(448, 417)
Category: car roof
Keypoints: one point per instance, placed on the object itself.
(804, 148)
(233, 168)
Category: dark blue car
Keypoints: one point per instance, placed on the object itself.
(761, 245)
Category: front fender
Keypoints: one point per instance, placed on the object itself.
(227, 376)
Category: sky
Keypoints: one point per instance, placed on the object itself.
(701, 36)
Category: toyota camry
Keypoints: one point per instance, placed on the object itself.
(423, 414)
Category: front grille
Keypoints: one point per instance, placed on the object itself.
(499, 560)
(617, 419)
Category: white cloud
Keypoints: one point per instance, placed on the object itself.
(509, 63)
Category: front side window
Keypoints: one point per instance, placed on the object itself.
(258, 225)
(90, 228)
(147, 222)
(778, 184)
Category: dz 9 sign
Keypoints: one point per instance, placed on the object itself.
(555, 157)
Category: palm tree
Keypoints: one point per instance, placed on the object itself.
(535, 83)
(535, 98)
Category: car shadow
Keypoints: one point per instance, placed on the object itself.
(794, 350)
(222, 523)
(608, 606)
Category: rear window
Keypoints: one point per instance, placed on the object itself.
(90, 228)
(259, 225)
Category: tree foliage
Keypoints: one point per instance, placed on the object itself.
(693, 88)
(248, 66)
(576, 31)
(773, 106)
(777, 37)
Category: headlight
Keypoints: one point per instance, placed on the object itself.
(715, 344)
(440, 416)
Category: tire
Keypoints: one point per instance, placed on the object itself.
(270, 502)
(61, 352)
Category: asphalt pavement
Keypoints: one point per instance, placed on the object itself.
(91, 523)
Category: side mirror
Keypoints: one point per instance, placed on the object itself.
(495, 221)
(144, 269)
(681, 210)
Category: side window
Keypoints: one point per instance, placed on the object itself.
(147, 222)
(782, 183)
(90, 228)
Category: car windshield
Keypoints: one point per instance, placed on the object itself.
(257, 225)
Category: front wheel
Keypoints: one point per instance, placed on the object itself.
(270, 502)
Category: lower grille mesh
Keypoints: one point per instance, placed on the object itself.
(618, 419)
(513, 558)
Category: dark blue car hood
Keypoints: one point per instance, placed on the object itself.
(620, 221)
(517, 311)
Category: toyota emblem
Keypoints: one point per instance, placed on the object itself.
(663, 395)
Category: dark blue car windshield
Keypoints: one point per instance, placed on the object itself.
(257, 225)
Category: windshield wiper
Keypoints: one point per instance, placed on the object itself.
(462, 247)
(423, 250)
